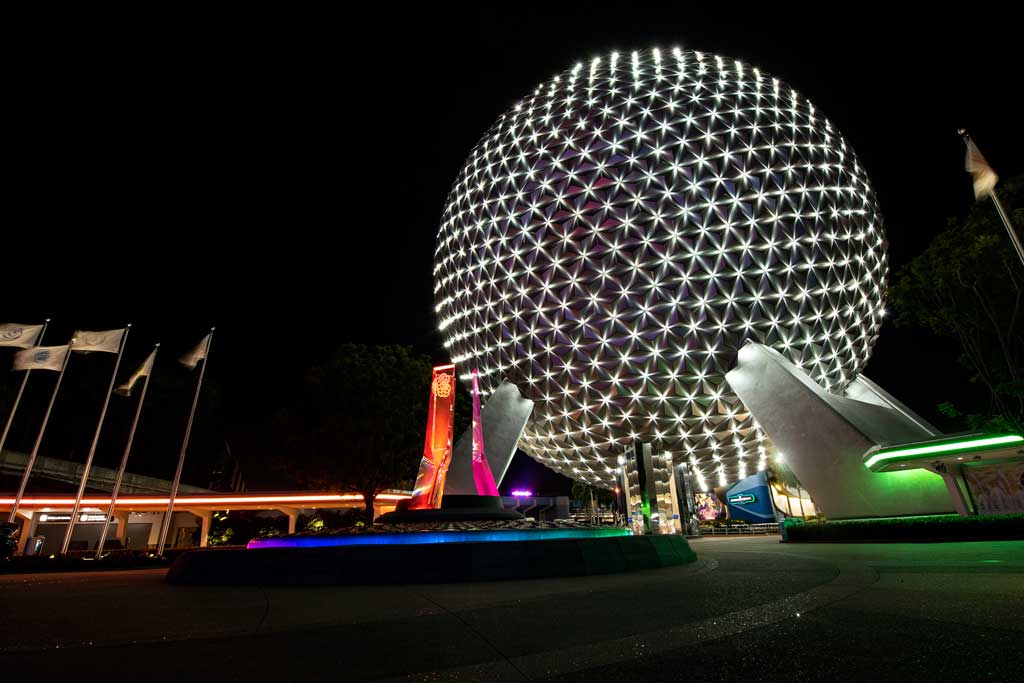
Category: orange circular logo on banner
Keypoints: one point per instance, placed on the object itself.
(443, 386)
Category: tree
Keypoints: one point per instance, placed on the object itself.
(969, 284)
(360, 421)
(590, 496)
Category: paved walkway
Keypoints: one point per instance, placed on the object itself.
(750, 607)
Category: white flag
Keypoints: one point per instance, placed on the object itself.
(143, 371)
(108, 341)
(984, 177)
(13, 334)
(192, 358)
(41, 358)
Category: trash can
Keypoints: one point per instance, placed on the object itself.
(34, 546)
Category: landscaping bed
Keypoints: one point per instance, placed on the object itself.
(86, 562)
(924, 529)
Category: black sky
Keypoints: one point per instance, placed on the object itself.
(282, 176)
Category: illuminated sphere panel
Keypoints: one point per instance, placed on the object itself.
(618, 234)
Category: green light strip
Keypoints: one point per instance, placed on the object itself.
(956, 446)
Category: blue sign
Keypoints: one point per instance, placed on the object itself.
(750, 499)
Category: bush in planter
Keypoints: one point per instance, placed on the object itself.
(935, 527)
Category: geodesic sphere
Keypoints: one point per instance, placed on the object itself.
(616, 236)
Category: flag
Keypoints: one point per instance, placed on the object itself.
(13, 334)
(192, 358)
(144, 370)
(41, 358)
(108, 341)
(984, 177)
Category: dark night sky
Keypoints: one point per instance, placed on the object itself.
(282, 177)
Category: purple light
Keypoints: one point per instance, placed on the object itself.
(522, 494)
(423, 537)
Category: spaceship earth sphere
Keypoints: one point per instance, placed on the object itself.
(619, 233)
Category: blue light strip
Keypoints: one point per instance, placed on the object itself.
(426, 537)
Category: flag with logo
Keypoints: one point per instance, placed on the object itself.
(984, 177)
(13, 334)
(107, 341)
(144, 371)
(192, 358)
(41, 358)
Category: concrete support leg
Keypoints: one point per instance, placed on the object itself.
(122, 527)
(685, 500)
(648, 487)
(154, 530)
(206, 519)
(624, 487)
(675, 514)
(293, 518)
(953, 478)
(28, 529)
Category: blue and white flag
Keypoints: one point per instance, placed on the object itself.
(108, 341)
(13, 334)
(41, 358)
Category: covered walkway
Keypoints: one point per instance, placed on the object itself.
(140, 516)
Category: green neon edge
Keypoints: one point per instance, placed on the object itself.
(945, 448)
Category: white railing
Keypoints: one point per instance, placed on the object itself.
(741, 529)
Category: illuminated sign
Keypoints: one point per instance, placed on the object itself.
(84, 517)
(742, 498)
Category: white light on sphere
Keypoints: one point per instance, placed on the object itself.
(618, 234)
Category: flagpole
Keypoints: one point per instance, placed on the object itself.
(124, 460)
(991, 193)
(39, 438)
(1009, 226)
(95, 441)
(165, 525)
(21, 390)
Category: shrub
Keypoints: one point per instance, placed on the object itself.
(930, 528)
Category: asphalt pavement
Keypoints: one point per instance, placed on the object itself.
(749, 608)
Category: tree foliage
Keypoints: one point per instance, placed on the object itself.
(969, 284)
(582, 492)
(359, 423)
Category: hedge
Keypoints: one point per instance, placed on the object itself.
(921, 529)
(83, 561)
